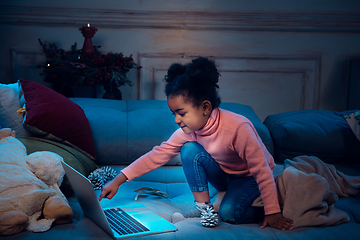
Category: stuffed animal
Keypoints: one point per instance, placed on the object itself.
(29, 188)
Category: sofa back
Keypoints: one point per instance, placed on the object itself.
(124, 130)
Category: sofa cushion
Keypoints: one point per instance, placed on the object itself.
(109, 126)
(125, 130)
(51, 115)
(320, 133)
(157, 124)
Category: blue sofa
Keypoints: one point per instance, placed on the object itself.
(124, 130)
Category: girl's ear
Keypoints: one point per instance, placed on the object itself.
(207, 107)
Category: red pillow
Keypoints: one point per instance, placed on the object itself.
(50, 114)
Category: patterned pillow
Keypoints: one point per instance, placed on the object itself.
(11, 99)
(353, 119)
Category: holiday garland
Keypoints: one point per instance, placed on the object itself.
(73, 68)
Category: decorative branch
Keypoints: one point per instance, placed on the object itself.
(150, 191)
(73, 68)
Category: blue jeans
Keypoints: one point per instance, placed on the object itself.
(200, 169)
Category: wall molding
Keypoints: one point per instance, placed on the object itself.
(191, 20)
(352, 83)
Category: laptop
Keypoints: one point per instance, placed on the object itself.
(120, 222)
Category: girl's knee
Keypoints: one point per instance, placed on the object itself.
(230, 214)
(190, 145)
(189, 150)
(227, 213)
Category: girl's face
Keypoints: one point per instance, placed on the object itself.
(187, 116)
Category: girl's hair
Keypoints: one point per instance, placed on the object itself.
(196, 81)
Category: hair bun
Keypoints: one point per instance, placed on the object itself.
(203, 70)
(175, 70)
(196, 81)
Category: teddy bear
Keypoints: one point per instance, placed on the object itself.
(30, 197)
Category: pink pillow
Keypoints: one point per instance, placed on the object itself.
(53, 116)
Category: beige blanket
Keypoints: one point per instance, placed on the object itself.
(308, 189)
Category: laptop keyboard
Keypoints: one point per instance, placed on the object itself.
(123, 223)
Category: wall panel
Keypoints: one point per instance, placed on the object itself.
(269, 84)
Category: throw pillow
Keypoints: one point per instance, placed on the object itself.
(53, 116)
(320, 133)
(10, 101)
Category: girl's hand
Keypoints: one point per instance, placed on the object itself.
(278, 221)
(110, 189)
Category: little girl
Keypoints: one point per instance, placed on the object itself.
(217, 147)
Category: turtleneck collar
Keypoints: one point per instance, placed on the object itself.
(211, 125)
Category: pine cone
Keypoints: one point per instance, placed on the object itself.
(108, 173)
(96, 180)
(209, 218)
(100, 176)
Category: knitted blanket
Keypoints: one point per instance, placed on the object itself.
(308, 189)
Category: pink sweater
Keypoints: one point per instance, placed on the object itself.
(232, 141)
